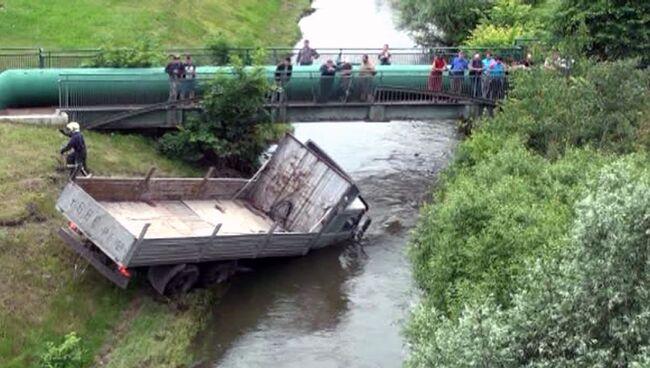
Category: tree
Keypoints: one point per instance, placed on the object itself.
(446, 22)
(233, 128)
(607, 29)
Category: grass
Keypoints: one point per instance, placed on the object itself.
(45, 290)
(190, 23)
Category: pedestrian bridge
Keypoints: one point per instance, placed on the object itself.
(392, 93)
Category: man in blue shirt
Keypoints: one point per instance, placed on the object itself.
(488, 62)
(458, 67)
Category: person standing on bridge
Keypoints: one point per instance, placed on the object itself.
(366, 76)
(458, 66)
(327, 73)
(189, 78)
(475, 75)
(282, 77)
(346, 79)
(384, 56)
(497, 78)
(488, 62)
(306, 55)
(174, 71)
(435, 77)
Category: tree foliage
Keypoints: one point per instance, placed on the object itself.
(601, 105)
(606, 29)
(441, 22)
(589, 306)
(233, 128)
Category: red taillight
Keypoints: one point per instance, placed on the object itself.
(123, 271)
(72, 226)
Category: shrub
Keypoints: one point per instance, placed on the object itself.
(600, 105)
(499, 207)
(589, 306)
(68, 354)
(143, 55)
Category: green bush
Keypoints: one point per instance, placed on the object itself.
(588, 306)
(601, 105)
(68, 354)
(497, 208)
(144, 54)
(232, 129)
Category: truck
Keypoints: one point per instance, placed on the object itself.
(188, 232)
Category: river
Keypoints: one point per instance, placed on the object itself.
(344, 306)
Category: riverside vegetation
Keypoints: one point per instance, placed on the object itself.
(55, 311)
(535, 249)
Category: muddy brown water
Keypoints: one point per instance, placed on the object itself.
(344, 306)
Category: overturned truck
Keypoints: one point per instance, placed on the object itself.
(183, 232)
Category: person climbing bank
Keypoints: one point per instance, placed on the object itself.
(77, 158)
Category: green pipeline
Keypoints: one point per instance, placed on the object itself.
(21, 88)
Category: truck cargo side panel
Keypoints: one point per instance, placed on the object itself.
(110, 189)
(206, 249)
(95, 222)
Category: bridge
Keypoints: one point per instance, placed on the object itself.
(134, 102)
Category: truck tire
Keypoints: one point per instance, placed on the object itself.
(183, 281)
(173, 280)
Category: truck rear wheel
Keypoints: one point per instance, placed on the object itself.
(173, 280)
(183, 281)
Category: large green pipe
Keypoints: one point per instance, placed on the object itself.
(40, 87)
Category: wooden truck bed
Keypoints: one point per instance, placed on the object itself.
(189, 218)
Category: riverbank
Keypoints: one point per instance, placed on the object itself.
(519, 225)
(73, 24)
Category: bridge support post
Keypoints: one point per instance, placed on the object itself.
(377, 113)
(172, 116)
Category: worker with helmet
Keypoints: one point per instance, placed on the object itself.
(78, 146)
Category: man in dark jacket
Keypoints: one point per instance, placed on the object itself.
(78, 146)
(282, 77)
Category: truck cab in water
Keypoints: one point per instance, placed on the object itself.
(184, 232)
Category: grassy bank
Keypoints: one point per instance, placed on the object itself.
(75, 24)
(45, 290)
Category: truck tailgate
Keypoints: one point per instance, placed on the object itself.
(96, 223)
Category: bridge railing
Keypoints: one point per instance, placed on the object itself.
(24, 58)
(82, 90)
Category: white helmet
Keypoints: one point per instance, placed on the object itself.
(73, 126)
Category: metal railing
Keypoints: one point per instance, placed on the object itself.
(304, 88)
(24, 58)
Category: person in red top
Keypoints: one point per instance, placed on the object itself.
(435, 77)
